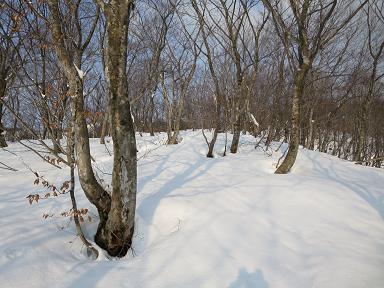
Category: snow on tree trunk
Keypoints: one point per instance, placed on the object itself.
(116, 235)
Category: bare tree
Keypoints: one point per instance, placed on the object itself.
(116, 234)
(315, 24)
(218, 94)
(375, 26)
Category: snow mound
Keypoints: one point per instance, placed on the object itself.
(222, 222)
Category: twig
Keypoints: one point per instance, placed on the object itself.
(38, 154)
(278, 148)
(25, 125)
(107, 149)
(205, 137)
(282, 156)
(7, 167)
(91, 251)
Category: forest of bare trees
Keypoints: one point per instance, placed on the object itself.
(305, 72)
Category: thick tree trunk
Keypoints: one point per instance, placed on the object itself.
(93, 190)
(294, 142)
(176, 130)
(116, 235)
(180, 109)
(71, 64)
(239, 107)
(56, 141)
(212, 143)
(236, 135)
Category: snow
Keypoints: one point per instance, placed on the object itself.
(254, 120)
(79, 71)
(133, 117)
(223, 222)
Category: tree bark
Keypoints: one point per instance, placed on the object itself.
(116, 235)
(3, 143)
(294, 142)
(218, 95)
(71, 64)
(104, 128)
(310, 132)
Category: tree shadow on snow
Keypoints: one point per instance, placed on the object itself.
(147, 207)
(246, 279)
(329, 171)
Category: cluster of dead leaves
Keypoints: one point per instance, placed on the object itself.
(82, 214)
(53, 190)
(77, 213)
(52, 160)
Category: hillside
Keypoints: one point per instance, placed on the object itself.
(223, 222)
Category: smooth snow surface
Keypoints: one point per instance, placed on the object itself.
(224, 222)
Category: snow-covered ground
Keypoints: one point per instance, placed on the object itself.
(223, 222)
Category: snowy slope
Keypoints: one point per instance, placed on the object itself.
(223, 222)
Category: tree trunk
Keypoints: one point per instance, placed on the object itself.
(3, 143)
(310, 133)
(104, 128)
(239, 107)
(151, 111)
(219, 99)
(116, 235)
(294, 142)
(236, 135)
(176, 130)
(71, 64)
(92, 189)
(238, 110)
(217, 127)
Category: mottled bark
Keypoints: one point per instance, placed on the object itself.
(236, 134)
(71, 64)
(116, 235)
(294, 142)
(213, 141)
